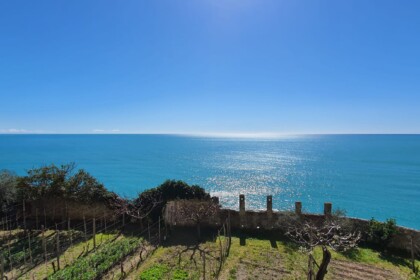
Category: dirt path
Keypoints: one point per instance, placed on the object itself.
(356, 271)
(248, 270)
(264, 265)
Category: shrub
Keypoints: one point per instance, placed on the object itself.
(155, 272)
(169, 190)
(61, 182)
(8, 183)
(180, 274)
(381, 233)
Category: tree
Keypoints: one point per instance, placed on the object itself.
(152, 201)
(62, 182)
(382, 233)
(8, 183)
(331, 233)
(197, 211)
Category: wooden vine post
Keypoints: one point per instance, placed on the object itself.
(36, 219)
(84, 227)
(44, 248)
(30, 248)
(45, 217)
(8, 248)
(70, 231)
(122, 268)
(24, 215)
(221, 250)
(105, 222)
(148, 229)
(1, 267)
(58, 247)
(94, 233)
(159, 230)
(204, 265)
(413, 259)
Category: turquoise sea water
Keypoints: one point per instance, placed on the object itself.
(367, 175)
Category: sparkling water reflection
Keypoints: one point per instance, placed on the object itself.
(370, 175)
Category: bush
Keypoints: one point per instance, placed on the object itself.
(8, 183)
(180, 274)
(381, 233)
(61, 182)
(169, 190)
(155, 272)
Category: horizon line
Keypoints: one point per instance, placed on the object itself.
(212, 135)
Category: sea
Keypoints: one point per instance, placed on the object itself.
(365, 175)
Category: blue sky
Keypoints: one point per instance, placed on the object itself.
(232, 66)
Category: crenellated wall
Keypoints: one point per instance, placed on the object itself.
(278, 220)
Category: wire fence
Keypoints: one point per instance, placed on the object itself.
(37, 247)
(213, 259)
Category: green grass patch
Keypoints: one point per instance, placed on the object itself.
(253, 255)
(155, 272)
(96, 264)
(180, 274)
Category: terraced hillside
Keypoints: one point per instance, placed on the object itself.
(127, 255)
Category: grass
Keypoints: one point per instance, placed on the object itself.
(72, 253)
(95, 264)
(249, 258)
(262, 259)
(181, 262)
(154, 272)
(376, 258)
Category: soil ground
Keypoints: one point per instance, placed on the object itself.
(180, 256)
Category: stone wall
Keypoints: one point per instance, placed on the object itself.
(278, 220)
(56, 209)
(184, 213)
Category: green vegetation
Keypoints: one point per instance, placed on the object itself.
(19, 246)
(180, 274)
(381, 233)
(158, 272)
(70, 254)
(182, 262)
(253, 258)
(181, 259)
(95, 264)
(155, 272)
(62, 182)
(8, 183)
(156, 198)
(49, 183)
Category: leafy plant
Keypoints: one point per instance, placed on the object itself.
(180, 274)
(8, 182)
(169, 190)
(381, 233)
(95, 265)
(155, 272)
(62, 182)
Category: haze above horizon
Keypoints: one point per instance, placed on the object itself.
(208, 67)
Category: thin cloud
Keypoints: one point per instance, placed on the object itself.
(14, 130)
(105, 131)
(25, 131)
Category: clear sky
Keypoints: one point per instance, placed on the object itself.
(207, 66)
